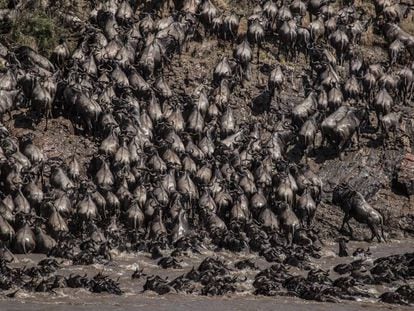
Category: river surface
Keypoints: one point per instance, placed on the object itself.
(123, 265)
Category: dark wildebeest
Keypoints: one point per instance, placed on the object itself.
(354, 206)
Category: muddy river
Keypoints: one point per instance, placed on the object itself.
(123, 266)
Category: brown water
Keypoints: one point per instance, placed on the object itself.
(180, 303)
(124, 265)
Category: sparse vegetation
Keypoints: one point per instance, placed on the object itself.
(32, 26)
(36, 28)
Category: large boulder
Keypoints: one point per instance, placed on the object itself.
(368, 170)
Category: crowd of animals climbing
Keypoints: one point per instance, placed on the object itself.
(175, 172)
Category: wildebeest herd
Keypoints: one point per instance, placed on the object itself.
(178, 172)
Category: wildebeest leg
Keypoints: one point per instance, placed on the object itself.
(305, 153)
(313, 147)
(41, 172)
(377, 234)
(295, 52)
(89, 126)
(385, 141)
(345, 220)
(187, 207)
(83, 227)
(197, 219)
(374, 233)
(350, 228)
(303, 222)
(378, 114)
(148, 230)
(309, 220)
(371, 228)
(358, 136)
(323, 142)
(47, 119)
(382, 232)
(312, 214)
(347, 217)
(341, 150)
(385, 137)
(291, 234)
(248, 73)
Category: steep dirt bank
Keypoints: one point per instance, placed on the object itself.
(371, 168)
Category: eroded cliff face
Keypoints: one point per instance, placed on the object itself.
(166, 106)
(371, 168)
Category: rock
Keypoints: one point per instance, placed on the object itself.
(405, 174)
(365, 170)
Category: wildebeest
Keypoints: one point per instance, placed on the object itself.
(180, 159)
(305, 208)
(355, 206)
(307, 135)
(341, 126)
(390, 124)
